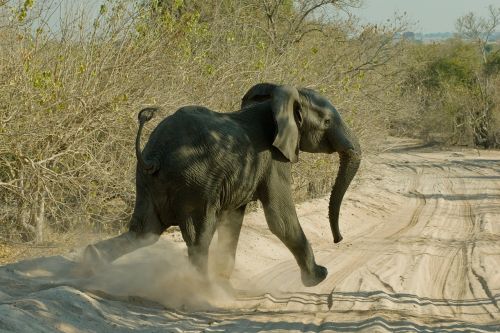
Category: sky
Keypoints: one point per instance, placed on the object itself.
(428, 15)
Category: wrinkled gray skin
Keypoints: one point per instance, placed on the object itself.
(201, 168)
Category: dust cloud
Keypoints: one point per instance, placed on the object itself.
(161, 273)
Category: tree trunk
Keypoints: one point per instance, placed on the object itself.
(40, 219)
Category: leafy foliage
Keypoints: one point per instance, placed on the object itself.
(453, 91)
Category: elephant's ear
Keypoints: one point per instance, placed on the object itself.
(285, 105)
(258, 93)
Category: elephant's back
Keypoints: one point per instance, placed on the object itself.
(194, 134)
(208, 155)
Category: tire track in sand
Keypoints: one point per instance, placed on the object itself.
(423, 255)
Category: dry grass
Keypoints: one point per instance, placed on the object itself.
(54, 243)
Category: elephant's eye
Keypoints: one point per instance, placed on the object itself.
(327, 122)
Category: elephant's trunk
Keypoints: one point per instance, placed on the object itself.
(349, 163)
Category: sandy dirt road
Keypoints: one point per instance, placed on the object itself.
(421, 253)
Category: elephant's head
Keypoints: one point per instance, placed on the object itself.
(308, 121)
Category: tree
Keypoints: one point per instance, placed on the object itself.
(480, 30)
(288, 21)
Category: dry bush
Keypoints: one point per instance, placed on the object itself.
(450, 95)
(69, 96)
(451, 87)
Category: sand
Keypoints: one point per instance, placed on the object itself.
(421, 253)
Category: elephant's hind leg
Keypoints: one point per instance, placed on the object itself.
(228, 232)
(98, 255)
(198, 229)
(144, 230)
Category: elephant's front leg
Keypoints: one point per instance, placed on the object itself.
(282, 219)
(228, 232)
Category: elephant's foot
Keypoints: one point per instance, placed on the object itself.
(319, 274)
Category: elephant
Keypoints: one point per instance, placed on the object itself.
(200, 169)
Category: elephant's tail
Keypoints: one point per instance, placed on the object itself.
(152, 166)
